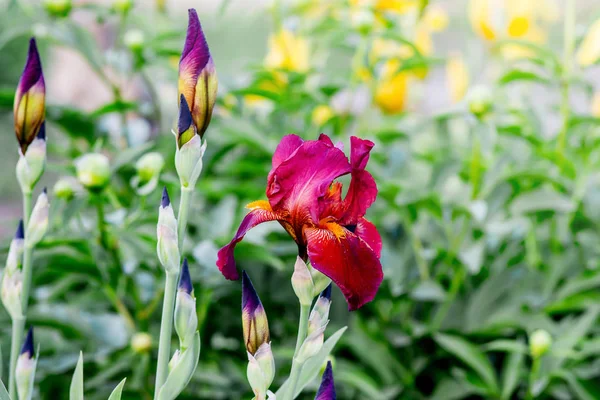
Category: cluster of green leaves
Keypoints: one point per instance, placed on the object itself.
(490, 226)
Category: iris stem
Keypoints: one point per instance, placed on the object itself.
(182, 216)
(297, 366)
(166, 331)
(18, 328)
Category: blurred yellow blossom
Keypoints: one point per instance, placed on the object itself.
(589, 50)
(391, 91)
(322, 114)
(511, 19)
(595, 107)
(435, 18)
(457, 75)
(399, 6)
(288, 51)
(275, 85)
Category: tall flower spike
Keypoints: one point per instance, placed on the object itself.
(197, 74)
(254, 318)
(327, 388)
(25, 369)
(186, 319)
(30, 99)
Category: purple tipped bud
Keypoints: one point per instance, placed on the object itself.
(45, 190)
(30, 99)
(185, 281)
(185, 129)
(197, 75)
(28, 344)
(327, 388)
(20, 233)
(254, 318)
(165, 201)
(42, 132)
(326, 293)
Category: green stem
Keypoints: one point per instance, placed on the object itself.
(182, 216)
(297, 366)
(569, 45)
(166, 330)
(18, 327)
(535, 367)
(455, 285)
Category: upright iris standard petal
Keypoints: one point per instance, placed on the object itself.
(197, 75)
(30, 99)
(330, 230)
(327, 388)
(254, 317)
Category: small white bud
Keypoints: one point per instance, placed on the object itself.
(66, 188)
(188, 161)
(539, 343)
(302, 283)
(186, 319)
(141, 342)
(10, 292)
(38, 222)
(134, 39)
(15, 251)
(167, 246)
(93, 171)
(148, 169)
(30, 166)
(312, 344)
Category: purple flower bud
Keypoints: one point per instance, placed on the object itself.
(254, 318)
(28, 344)
(197, 74)
(20, 233)
(327, 388)
(165, 201)
(185, 127)
(185, 280)
(30, 100)
(326, 293)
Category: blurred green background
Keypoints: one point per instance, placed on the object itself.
(486, 126)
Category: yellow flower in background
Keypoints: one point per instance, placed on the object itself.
(288, 51)
(392, 89)
(322, 114)
(398, 6)
(589, 50)
(512, 19)
(435, 18)
(595, 107)
(276, 85)
(457, 75)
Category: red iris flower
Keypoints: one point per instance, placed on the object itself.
(330, 231)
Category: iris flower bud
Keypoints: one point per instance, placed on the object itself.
(93, 171)
(141, 342)
(25, 370)
(302, 283)
(167, 245)
(254, 317)
(38, 222)
(480, 101)
(122, 6)
(190, 150)
(31, 165)
(327, 389)
(312, 344)
(16, 248)
(539, 343)
(30, 100)
(148, 169)
(261, 370)
(66, 188)
(186, 319)
(10, 292)
(197, 75)
(319, 316)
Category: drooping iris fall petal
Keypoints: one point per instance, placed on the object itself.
(197, 74)
(30, 99)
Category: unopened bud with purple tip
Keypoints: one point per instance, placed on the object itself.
(254, 317)
(15, 251)
(186, 319)
(38, 222)
(30, 100)
(197, 75)
(319, 316)
(167, 246)
(327, 389)
(25, 370)
(190, 150)
(31, 164)
(302, 283)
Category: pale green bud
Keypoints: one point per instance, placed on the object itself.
(312, 344)
(302, 283)
(25, 369)
(480, 101)
(186, 319)
(134, 40)
(10, 292)
(167, 246)
(148, 169)
(122, 6)
(66, 188)
(319, 316)
(174, 360)
(15, 251)
(58, 8)
(141, 342)
(539, 343)
(93, 171)
(188, 161)
(261, 370)
(38, 222)
(31, 165)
